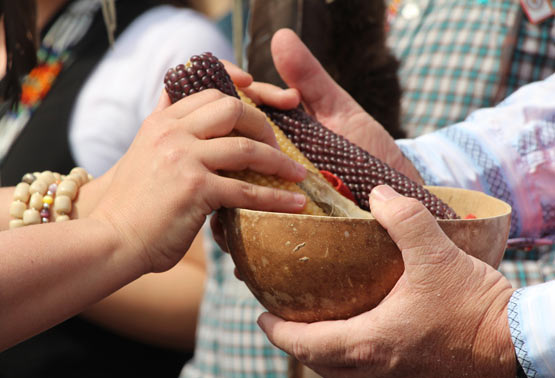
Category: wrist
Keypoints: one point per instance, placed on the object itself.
(126, 250)
(494, 349)
(90, 196)
(86, 205)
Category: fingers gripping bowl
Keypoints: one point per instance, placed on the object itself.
(310, 268)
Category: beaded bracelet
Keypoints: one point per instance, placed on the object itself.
(41, 196)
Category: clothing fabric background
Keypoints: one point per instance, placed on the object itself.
(125, 87)
(110, 108)
(455, 57)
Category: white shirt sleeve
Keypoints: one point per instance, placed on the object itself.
(126, 85)
(507, 151)
(531, 314)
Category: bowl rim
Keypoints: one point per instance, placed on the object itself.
(324, 218)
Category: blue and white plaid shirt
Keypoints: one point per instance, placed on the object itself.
(531, 311)
(460, 56)
(454, 58)
(508, 152)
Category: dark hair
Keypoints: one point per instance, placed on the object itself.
(348, 37)
(21, 43)
(359, 59)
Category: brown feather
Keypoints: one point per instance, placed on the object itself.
(347, 37)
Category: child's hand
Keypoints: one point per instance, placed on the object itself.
(167, 183)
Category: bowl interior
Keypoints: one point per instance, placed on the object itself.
(466, 202)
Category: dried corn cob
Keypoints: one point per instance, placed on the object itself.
(201, 72)
(359, 170)
(354, 166)
(284, 142)
(206, 71)
(315, 185)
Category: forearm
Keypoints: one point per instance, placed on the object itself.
(50, 272)
(6, 195)
(169, 319)
(159, 308)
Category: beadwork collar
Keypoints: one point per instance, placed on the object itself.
(392, 11)
(53, 54)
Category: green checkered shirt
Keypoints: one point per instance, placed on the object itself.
(454, 54)
(461, 55)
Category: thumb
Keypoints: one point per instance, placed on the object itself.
(428, 253)
(163, 102)
(301, 70)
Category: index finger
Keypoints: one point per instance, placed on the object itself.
(189, 104)
(262, 93)
(324, 343)
(219, 118)
(239, 77)
(272, 95)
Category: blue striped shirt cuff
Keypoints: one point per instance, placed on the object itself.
(531, 315)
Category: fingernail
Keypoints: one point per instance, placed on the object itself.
(384, 193)
(299, 199)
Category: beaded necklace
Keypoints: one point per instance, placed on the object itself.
(53, 54)
(38, 82)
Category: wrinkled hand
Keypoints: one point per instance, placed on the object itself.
(167, 183)
(446, 316)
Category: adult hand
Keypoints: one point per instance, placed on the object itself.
(322, 97)
(331, 105)
(262, 93)
(446, 316)
(167, 183)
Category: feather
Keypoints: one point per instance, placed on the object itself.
(347, 37)
(266, 17)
